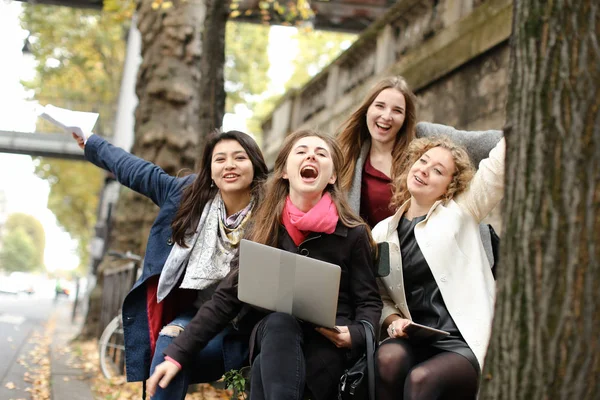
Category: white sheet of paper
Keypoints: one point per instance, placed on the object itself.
(79, 122)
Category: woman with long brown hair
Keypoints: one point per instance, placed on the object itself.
(373, 140)
(304, 211)
(201, 220)
(439, 274)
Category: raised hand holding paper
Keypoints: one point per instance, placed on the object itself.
(77, 122)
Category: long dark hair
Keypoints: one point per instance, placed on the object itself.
(267, 218)
(354, 130)
(196, 195)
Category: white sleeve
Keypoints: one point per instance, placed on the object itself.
(487, 187)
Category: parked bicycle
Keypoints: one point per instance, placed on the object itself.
(117, 283)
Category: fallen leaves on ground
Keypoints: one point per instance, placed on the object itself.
(84, 355)
(37, 362)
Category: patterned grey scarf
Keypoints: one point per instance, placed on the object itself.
(210, 250)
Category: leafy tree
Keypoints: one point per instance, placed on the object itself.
(246, 63)
(180, 89)
(79, 56)
(89, 51)
(79, 66)
(73, 198)
(545, 342)
(316, 50)
(19, 253)
(33, 228)
(283, 12)
(260, 111)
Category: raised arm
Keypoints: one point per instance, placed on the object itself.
(131, 171)
(478, 143)
(487, 187)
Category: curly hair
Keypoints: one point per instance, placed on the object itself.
(463, 173)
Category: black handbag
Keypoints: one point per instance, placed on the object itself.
(358, 381)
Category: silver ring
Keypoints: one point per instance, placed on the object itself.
(393, 330)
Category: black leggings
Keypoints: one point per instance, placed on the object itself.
(409, 372)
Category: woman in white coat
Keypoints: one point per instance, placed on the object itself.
(439, 274)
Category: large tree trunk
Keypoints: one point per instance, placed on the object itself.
(212, 80)
(545, 342)
(172, 102)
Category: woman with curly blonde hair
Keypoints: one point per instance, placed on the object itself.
(439, 274)
(461, 177)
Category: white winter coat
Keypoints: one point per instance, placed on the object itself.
(450, 241)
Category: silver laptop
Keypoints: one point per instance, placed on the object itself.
(278, 280)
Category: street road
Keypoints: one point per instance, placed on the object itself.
(20, 317)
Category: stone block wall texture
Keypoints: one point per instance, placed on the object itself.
(472, 97)
(454, 53)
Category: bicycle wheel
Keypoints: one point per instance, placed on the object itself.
(112, 349)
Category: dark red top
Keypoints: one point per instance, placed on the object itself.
(375, 195)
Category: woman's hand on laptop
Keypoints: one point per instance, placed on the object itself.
(340, 337)
(162, 376)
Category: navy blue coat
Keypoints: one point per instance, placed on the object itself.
(165, 191)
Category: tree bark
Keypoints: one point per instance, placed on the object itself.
(545, 342)
(172, 111)
(212, 80)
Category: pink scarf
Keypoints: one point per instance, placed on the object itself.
(323, 217)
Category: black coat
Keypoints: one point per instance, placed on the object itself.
(358, 299)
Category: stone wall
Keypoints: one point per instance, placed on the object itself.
(472, 97)
(453, 53)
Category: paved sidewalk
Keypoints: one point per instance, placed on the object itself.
(14, 386)
(67, 382)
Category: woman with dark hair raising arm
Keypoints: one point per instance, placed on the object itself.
(304, 211)
(201, 220)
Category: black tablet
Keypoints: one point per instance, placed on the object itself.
(422, 333)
